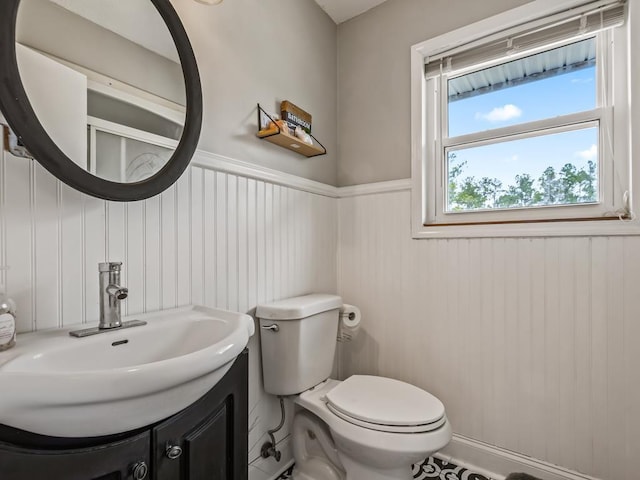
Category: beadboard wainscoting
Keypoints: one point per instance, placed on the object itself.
(214, 238)
(531, 343)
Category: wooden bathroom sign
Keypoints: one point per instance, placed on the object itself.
(295, 116)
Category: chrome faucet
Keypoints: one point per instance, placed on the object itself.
(111, 295)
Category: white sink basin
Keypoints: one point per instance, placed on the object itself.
(58, 385)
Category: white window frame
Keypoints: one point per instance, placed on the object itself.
(428, 217)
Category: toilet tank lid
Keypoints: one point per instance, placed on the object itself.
(298, 307)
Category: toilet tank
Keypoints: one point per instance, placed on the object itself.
(298, 340)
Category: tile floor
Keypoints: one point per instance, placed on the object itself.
(442, 470)
(431, 468)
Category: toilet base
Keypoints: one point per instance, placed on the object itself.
(359, 471)
(354, 471)
(317, 457)
(313, 450)
(319, 469)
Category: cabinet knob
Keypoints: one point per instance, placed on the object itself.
(173, 452)
(140, 471)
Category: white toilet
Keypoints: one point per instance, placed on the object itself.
(363, 428)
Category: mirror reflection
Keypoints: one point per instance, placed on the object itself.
(105, 80)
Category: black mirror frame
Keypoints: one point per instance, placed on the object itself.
(19, 113)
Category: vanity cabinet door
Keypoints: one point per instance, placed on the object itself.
(206, 454)
(115, 461)
(208, 440)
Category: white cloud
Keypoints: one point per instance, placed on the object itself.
(500, 114)
(590, 154)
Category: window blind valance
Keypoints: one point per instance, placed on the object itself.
(574, 23)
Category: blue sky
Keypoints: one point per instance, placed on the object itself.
(553, 96)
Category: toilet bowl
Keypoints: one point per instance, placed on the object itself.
(314, 451)
(362, 428)
(365, 447)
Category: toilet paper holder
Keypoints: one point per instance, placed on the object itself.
(350, 318)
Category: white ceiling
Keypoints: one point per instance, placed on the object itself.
(342, 10)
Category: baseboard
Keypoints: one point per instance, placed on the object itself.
(497, 463)
(268, 468)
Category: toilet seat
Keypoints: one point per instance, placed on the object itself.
(390, 428)
(386, 405)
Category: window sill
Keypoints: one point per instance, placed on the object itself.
(545, 229)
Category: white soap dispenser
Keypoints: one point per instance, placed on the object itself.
(7, 321)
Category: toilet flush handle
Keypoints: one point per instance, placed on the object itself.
(273, 328)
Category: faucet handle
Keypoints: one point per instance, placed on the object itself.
(109, 266)
(119, 293)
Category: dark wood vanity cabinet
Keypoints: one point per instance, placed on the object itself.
(205, 441)
(212, 436)
(113, 461)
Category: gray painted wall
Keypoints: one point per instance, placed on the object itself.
(374, 80)
(252, 51)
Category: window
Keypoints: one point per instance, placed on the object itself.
(523, 124)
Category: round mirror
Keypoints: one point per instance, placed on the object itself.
(105, 94)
